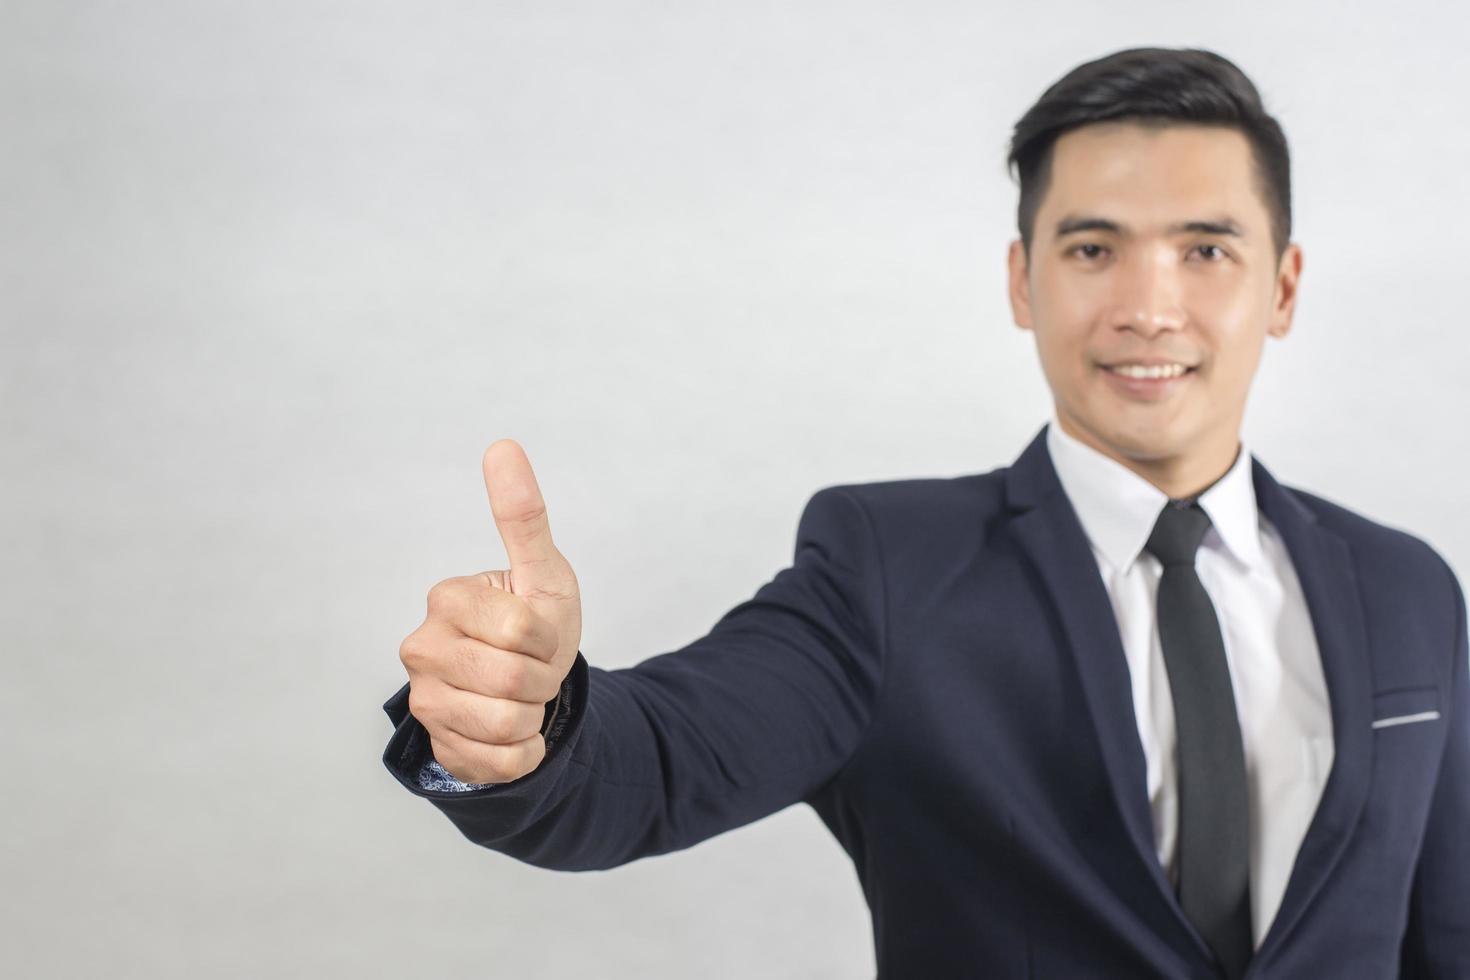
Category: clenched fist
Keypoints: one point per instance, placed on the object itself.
(496, 646)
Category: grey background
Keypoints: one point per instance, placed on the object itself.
(273, 275)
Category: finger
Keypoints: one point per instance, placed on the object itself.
(475, 762)
(474, 608)
(508, 622)
(490, 671)
(520, 517)
(491, 721)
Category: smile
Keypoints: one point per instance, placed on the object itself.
(1150, 371)
(1151, 383)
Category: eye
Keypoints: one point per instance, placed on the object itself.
(1077, 248)
(1220, 252)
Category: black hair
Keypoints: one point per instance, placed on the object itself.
(1153, 87)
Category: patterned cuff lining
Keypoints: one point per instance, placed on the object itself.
(436, 777)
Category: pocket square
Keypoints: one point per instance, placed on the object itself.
(1405, 706)
(1405, 719)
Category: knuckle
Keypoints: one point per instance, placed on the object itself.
(501, 727)
(419, 706)
(442, 595)
(518, 625)
(411, 652)
(512, 674)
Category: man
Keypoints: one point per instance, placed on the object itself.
(1128, 707)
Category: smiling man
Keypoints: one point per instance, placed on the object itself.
(1126, 708)
(1152, 272)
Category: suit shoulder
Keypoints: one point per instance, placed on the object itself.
(925, 516)
(1394, 553)
(937, 497)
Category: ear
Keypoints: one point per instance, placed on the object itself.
(1020, 289)
(1283, 305)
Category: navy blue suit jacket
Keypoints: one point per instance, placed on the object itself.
(940, 676)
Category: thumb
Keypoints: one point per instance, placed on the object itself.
(536, 566)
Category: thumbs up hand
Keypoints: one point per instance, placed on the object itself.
(495, 647)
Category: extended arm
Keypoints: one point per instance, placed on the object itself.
(740, 723)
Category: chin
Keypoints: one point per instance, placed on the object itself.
(1145, 442)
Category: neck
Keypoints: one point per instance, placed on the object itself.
(1177, 476)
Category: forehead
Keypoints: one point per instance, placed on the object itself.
(1150, 177)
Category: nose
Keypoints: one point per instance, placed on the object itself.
(1148, 297)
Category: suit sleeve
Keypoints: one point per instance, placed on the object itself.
(754, 716)
(1437, 941)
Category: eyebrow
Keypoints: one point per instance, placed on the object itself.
(1223, 225)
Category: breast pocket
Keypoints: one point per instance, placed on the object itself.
(1405, 706)
(1408, 744)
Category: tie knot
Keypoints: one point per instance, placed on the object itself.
(1177, 533)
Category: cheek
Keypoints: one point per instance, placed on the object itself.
(1232, 312)
(1065, 357)
(1227, 381)
(1071, 299)
(1063, 320)
(1060, 292)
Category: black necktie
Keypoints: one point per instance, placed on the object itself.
(1213, 856)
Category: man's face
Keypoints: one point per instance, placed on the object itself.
(1145, 291)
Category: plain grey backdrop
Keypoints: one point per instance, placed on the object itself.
(273, 275)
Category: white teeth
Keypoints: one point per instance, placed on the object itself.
(1157, 371)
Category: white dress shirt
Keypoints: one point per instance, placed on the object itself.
(1275, 669)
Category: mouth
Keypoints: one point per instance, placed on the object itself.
(1148, 382)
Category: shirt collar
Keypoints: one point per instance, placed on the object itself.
(1118, 508)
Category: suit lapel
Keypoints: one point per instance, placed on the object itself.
(1051, 534)
(1047, 528)
(1325, 566)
